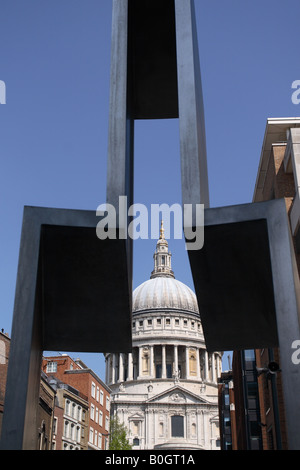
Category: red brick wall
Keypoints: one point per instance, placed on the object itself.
(4, 355)
(81, 380)
(277, 184)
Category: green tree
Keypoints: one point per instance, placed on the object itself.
(118, 435)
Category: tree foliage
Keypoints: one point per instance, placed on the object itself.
(118, 435)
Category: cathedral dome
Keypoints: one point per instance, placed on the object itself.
(162, 290)
(164, 293)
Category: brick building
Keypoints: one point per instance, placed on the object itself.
(278, 177)
(4, 355)
(77, 375)
(45, 414)
(226, 400)
(239, 405)
(71, 417)
(45, 410)
(252, 416)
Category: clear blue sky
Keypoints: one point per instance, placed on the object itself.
(55, 62)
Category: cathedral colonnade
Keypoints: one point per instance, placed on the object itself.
(163, 361)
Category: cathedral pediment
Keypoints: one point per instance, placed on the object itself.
(177, 395)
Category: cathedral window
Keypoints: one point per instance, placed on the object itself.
(135, 428)
(177, 426)
(169, 371)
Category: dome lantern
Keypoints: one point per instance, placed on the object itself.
(162, 257)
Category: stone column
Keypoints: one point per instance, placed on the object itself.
(206, 365)
(106, 369)
(139, 375)
(187, 364)
(130, 367)
(152, 361)
(113, 369)
(163, 362)
(121, 367)
(198, 363)
(213, 367)
(176, 359)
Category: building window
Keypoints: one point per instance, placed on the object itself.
(93, 392)
(66, 429)
(135, 428)
(107, 403)
(51, 366)
(92, 412)
(169, 371)
(91, 438)
(98, 390)
(158, 321)
(72, 431)
(55, 426)
(168, 321)
(3, 353)
(177, 427)
(106, 423)
(136, 442)
(100, 418)
(78, 434)
(101, 397)
(79, 413)
(176, 321)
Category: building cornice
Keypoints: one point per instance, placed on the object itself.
(275, 133)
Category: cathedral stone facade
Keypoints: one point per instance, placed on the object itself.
(165, 391)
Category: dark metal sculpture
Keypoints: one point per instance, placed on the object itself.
(74, 291)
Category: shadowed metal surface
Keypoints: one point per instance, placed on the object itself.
(248, 290)
(73, 293)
